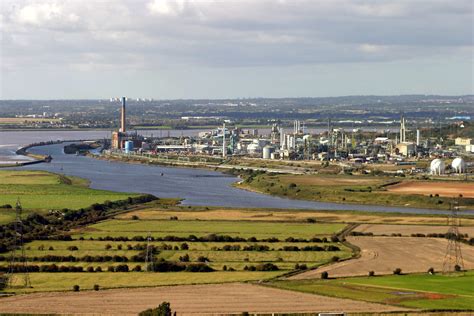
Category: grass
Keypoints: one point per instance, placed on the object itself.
(422, 291)
(201, 228)
(274, 215)
(343, 189)
(43, 282)
(40, 191)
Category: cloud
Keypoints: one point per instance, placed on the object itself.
(150, 34)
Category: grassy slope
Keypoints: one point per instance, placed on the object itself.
(417, 290)
(330, 188)
(41, 191)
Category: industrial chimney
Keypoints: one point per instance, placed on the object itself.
(123, 117)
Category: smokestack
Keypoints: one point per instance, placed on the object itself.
(123, 116)
(417, 137)
(224, 146)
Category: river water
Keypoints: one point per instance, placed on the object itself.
(195, 186)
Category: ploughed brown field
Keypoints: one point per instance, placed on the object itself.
(443, 188)
(407, 230)
(185, 300)
(384, 254)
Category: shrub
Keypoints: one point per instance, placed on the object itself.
(184, 246)
(121, 268)
(108, 247)
(267, 267)
(135, 217)
(76, 288)
(72, 248)
(98, 269)
(110, 269)
(457, 268)
(137, 268)
(397, 271)
(184, 258)
(371, 273)
(164, 309)
(335, 259)
(198, 267)
(90, 269)
(96, 287)
(224, 268)
(324, 275)
(203, 259)
(431, 270)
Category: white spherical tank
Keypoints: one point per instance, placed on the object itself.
(459, 165)
(437, 167)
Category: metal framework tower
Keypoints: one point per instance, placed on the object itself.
(149, 254)
(17, 274)
(453, 260)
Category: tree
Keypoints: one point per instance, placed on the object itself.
(324, 275)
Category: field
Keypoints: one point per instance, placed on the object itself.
(200, 213)
(445, 188)
(360, 189)
(384, 254)
(448, 292)
(25, 120)
(41, 191)
(185, 300)
(200, 228)
(408, 230)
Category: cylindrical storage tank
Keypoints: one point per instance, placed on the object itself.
(267, 151)
(437, 167)
(459, 165)
(128, 146)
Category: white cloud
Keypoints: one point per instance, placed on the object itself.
(39, 13)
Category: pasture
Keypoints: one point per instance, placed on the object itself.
(424, 291)
(40, 191)
(244, 229)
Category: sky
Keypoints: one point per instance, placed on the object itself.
(182, 49)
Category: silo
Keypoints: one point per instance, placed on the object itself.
(128, 146)
(459, 165)
(267, 151)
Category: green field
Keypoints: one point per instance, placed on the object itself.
(200, 228)
(40, 191)
(416, 290)
(65, 281)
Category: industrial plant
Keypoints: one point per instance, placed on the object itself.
(349, 147)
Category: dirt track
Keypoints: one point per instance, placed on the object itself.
(407, 230)
(188, 299)
(450, 189)
(384, 254)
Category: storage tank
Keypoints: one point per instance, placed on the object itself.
(254, 148)
(459, 165)
(128, 147)
(437, 167)
(267, 152)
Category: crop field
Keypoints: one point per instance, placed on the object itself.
(200, 228)
(444, 188)
(41, 191)
(385, 254)
(346, 189)
(215, 299)
(425, 291)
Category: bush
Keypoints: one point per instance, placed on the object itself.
(397, 271)
(96, 287)
(98, 269)
(324, 275)
(72, 248)
(164, 309)
(76, 288)
(198, 267)
(371, 273)
(457, 268)
(121, 268)
(184, 258)
(184, 246)
(266, 267)
(431, 270)
(135, 217)
(90, 269)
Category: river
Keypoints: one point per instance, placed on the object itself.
(195, 186)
